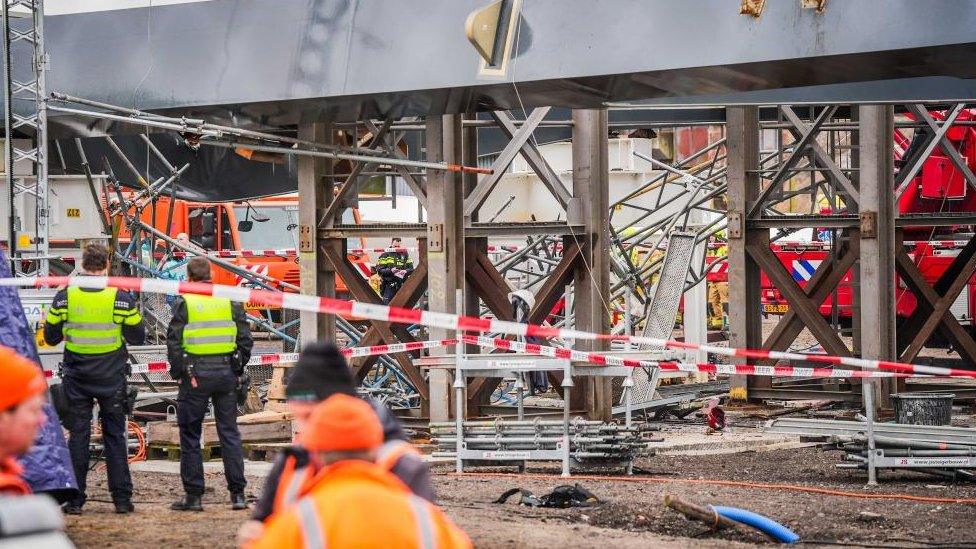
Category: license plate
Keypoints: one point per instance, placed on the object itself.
(777, 309)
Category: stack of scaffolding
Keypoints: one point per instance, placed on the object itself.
(591, 443)
(939, 450)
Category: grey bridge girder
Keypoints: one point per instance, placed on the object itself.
(282, 61)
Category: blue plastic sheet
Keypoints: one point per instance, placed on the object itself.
(47, 466)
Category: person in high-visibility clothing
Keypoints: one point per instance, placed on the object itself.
(322, 371)
(22, 397)
(718, 289)
(394, 267)
(353, 502)
(208, 344)
(95, 326)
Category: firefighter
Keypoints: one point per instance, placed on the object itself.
(393, 266)
(352, 501)
(208, 344)
(321, 372)
(718, 290)
(22, 389)
(95, 326)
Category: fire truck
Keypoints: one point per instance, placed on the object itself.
(939, 187)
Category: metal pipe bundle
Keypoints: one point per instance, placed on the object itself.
(943, 451)
(589, 441)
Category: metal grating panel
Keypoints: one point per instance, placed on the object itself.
(670, 286)
(960, 307)
(663, 310)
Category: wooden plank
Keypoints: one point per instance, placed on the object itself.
(165, 432)
(276, 390)
(266, 416)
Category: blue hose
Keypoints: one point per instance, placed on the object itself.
(759, 522)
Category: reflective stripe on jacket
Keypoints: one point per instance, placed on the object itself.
(357, 504)
(92, 325)
(291, 482)
(392, 451)
(296, 481)
(210, 327)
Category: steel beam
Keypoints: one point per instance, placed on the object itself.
(933, 139)
(799, 152)
(831, 168)
(350, 187)
(387, 331)
(528, 228)
(820, 285)
(933, 304)
(947, 146)
(591, 207)
(500, 166)
(389, 145)
(807, 309)
(745, 325)
(314, 194)
(445, 243)
(534, 158)
(283, 58)
(875, 315)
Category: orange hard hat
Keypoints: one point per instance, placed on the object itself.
(20, 378)
(342, 423)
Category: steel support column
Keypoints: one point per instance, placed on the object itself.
(745, 326)
(445, 242)
(315, 194)
(876, 314)
(590, 207)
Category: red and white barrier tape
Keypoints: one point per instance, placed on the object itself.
(287, 252)
(670, 366)
(355, 309)
(288, 358)
(284, 252)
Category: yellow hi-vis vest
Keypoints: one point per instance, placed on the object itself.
(210, 327)
(90, 327)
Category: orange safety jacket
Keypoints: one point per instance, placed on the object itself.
(355, 503)
(11, 484)
(296, 481)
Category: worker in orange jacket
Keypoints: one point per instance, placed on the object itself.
(22, 394)
(321, 372)
(353, 502)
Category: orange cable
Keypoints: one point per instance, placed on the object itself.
(140, 454)
(732, 483)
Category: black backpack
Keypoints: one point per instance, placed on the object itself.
(562, 497)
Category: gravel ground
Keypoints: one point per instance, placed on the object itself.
(632, 514)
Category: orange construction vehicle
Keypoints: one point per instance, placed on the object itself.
(258, 235)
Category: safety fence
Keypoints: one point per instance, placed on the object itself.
(432, 319)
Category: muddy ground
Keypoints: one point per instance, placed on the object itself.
(632, 515)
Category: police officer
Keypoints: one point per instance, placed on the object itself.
(95, 325)
(393, 266)
(208, 344)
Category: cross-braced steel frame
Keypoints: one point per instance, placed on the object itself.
(25, 125)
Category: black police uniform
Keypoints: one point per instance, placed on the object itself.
(87, 378)
(216, 379)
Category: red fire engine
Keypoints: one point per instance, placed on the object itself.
(939, 187)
